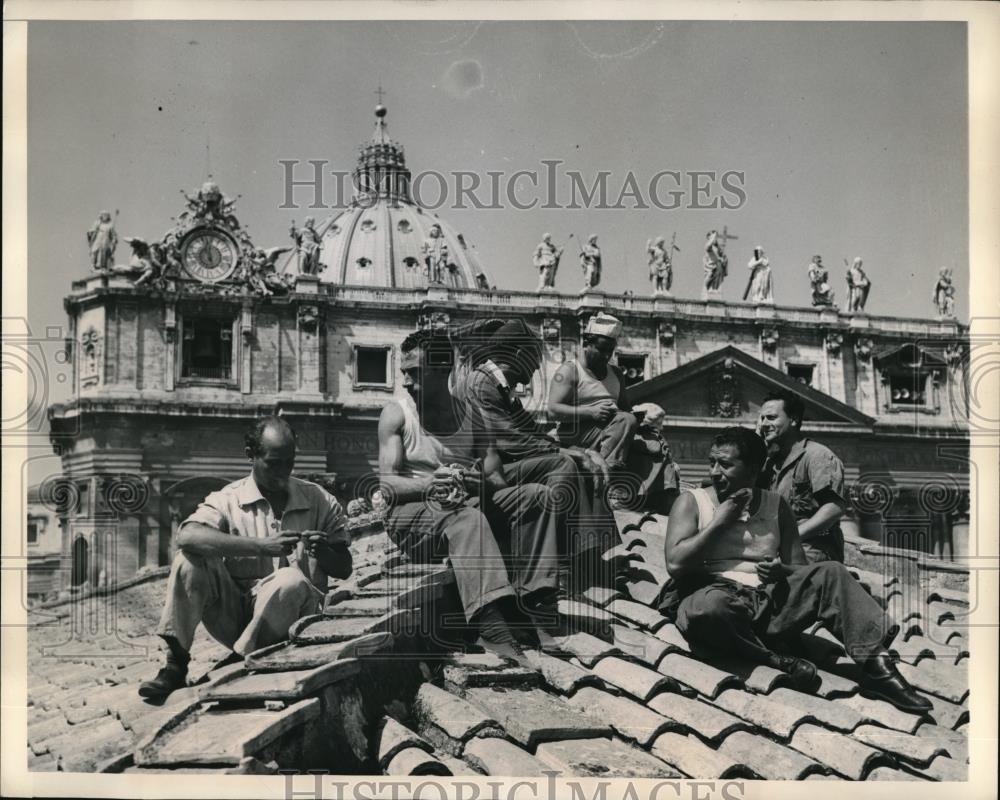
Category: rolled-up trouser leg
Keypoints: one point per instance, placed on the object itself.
(201, 590)
(279, 600)
(722, 617)
(828, 593)
(526, 516)
(615, 438)
(465, 537)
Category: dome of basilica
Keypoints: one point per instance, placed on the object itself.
(384, 239)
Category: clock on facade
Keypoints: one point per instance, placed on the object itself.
(210, 255)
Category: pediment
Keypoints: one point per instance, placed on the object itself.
(730, 385)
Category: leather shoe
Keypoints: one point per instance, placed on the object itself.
(169, 679)
(882, 680)
(802, 675)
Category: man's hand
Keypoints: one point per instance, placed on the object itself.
(771, 571)
(729, 510)
(601, 412)
(448, 487)
(281, 544)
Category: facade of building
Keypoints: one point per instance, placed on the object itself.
(169, 369)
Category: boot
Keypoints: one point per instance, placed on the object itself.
(802, 675)
(882, 680)
(169, 679)
(495, 634)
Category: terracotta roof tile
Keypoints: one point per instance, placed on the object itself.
(530, 715)
(600, 595)
(833, 715)
(414, 761)
(706, 720)
(890, 774)
(462, 670)
(291, 685)
(916, 648)
(844, 754)
(629, 719)
(705, 679)
(955, 742)
(639, 681)
(957, 598)
(585, 647)
(881, 712)
(641, 615)
(447, 721)
(832, 685)
(641, 586)
(906, 746)
(950, 682)
(768, 759)
(282, 657)
(695, 759)
(938, 612)
(778, 719)
(394, 737)
(602, 758)
(639, 645)
(500, 758)
(563, 676)
(946, 769)
(672, 636)
(756, 677)
(948, 715)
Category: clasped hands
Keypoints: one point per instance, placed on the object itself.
(284, 542)
(451, 484)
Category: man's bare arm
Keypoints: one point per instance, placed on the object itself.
(398, 488)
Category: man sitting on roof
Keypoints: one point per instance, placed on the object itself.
(575, 476)
(587, 396)
(252, 558)
(741, 579)
(651, 462)
(441, 504)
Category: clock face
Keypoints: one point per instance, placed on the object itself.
(210, 256)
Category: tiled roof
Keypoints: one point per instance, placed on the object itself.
(628, 696)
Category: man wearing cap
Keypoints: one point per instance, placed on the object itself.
(587, 396)
(498, 421)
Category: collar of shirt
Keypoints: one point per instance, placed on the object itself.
(794, 454)
(495, 372)
(248, 493)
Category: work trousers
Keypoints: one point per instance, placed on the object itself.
(516, 527)
(200, 589)
(828, 547)
(729, 616)
(589, 530)
(611, 440)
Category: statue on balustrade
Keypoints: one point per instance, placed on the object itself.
(819, 278)
(661, 263)
(590, 262)
(141, 264)
(858, 286)
(944, 293)
(436, 255)
(102, 240)
(715, 262)
(546, 259)
(759, 288)
(309, 244)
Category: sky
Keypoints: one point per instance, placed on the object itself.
(852, 137)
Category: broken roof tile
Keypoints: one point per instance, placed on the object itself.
(838, 717)
(697, 760)
(461, 670)
(500, 758)
(706, 720)
(705, 679)
(630, 720)
(767, 758)
(950, 682)
(906, 746)
(774, 717)
(639, 681)
(394, 737)
(563, 676)
(602, 758)
(849, 757)
(284, 656)
(638, 613)
(530, 715)
(443, 716)
(881, 712)
(414, 761)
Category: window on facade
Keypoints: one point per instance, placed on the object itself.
(207, 352)
(803, 373)
(32, 532)
(907, 390)
(371, 366)
(633, 367)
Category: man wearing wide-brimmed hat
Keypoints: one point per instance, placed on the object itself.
(587, 395)
(574, 475)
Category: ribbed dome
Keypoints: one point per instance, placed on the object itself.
(378, 240)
